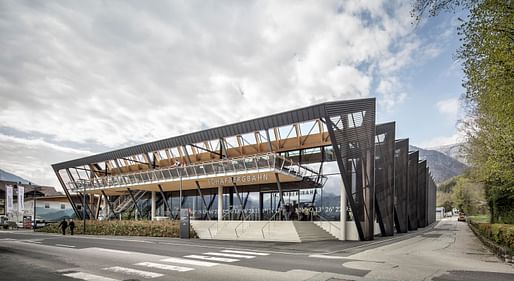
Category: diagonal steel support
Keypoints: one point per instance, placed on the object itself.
(281, 197)
(97, 211)
(203, 199)
(68, 195)
(238, 197)
(109, 203)
(134, 201)
(210, 204)
(205, 149)
(164, 198)
(342, 169)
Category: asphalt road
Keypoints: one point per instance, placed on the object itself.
(26, 255)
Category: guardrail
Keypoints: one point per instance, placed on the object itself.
(230, 166)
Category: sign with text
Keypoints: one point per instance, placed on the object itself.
(184, 223)
(21, 198)
(239, 180)
(8, 199)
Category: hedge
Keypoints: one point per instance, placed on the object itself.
(501, 234)
(122, 228)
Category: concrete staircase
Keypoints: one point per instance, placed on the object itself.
(309, 231)
(283, 231)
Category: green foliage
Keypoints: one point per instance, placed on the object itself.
(501, 234)
(463, 193)
(122, 228)
(433, 7)
(469, 196)
(488, 64)
(447, 186)
(487, 36)
(480, 218)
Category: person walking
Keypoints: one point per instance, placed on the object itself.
(71, 224)
(63, 225)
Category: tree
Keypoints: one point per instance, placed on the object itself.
(487, 37)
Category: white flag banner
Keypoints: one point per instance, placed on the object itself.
(8, 198)
(21, 198)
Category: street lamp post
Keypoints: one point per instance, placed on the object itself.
(35, 203)
(84, 210)
(180, 192)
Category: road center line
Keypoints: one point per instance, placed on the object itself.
(63, 245)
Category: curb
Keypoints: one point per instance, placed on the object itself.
(504, 253)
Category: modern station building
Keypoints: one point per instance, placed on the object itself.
(326, 171)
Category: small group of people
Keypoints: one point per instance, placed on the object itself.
(64, 224)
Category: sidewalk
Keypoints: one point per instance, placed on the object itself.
(450, 252)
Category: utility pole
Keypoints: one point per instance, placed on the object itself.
(35, 203)
(84, 211)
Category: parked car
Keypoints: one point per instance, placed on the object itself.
(462, 217)
(40, 222)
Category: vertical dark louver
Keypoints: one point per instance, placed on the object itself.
(413, 190)
(422, 193)
(384, 177)
(352, 132)
(401, 177)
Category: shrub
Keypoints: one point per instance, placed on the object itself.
(123, 228)
(501, 234)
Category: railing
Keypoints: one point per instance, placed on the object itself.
(241, 224)
(128, 200)
(227, 167)
(331, 224)
(268, 224)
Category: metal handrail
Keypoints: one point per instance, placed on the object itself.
(268, 223)
(209, 228)
(241, 223)
(323, 219)
(138, 177)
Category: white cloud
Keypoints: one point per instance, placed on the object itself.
(117, 74)
(32, 158)
(449, 107)
(458, 137)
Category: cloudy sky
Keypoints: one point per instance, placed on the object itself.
(82, 77)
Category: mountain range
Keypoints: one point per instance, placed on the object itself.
(6, 176)
(443, 165)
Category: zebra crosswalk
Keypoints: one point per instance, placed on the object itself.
(166, 265)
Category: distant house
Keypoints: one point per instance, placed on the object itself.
(51, 205)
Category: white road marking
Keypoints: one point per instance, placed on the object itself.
(111, 251)
(224, 247)
(327, 257)
(229, 255)
(191, 262)
(246, 253)
(130, 271)
(7, 239)
(87, 276)
(165, 266)
(211, 258)
(67, 246)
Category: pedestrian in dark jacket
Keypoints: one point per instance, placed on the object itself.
(63, 225)
(71, 224)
